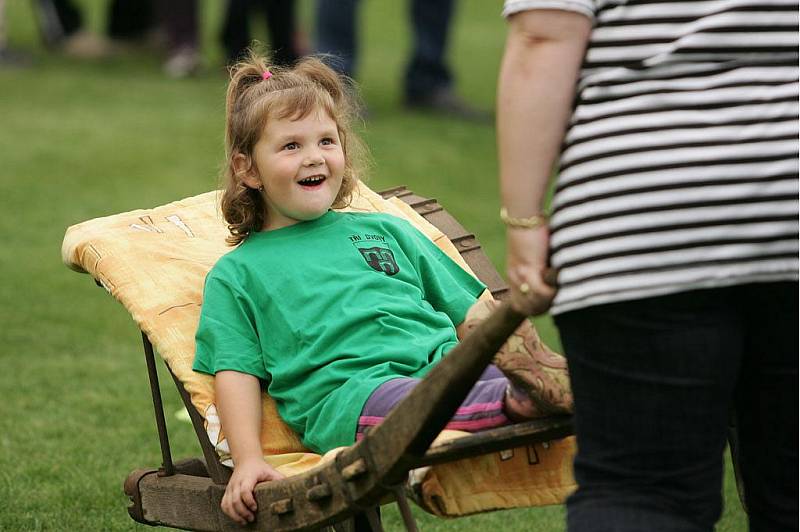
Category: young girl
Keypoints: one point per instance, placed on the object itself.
(338, 315)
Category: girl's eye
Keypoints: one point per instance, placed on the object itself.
(327, 141)
(291, 146)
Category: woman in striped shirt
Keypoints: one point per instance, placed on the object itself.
(674, 231)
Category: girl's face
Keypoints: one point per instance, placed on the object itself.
(300, 164)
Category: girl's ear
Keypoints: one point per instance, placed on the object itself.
(243, 169)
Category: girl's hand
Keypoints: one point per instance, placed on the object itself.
(238, 503)
(532, 281)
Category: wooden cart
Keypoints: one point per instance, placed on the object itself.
(187, 493)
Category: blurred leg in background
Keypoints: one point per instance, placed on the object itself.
(281, 24)
(428, 80)
(336, 30)
(428, 83)
(283, 33)
(181, 24)
(132, 21)
(427, 72)
(57, 19)
(8, 56)
(62, 26)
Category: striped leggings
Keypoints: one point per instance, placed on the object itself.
(481, 410)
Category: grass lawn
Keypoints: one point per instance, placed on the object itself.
(80, 140)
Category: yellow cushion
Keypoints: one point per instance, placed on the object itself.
(533, 475)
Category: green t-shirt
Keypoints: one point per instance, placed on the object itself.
(325, 311)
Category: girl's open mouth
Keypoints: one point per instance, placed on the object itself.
(313, 181)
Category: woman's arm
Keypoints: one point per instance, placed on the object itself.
(239, 403)
(543, 54)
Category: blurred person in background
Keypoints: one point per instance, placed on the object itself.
(428, 81)
(8, 56)
(285, 40)
(172, 25)
(181, 28)
(62, 26)
(674, 232)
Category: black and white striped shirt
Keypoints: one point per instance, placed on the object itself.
(679, 168)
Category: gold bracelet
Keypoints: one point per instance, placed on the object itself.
(522, 223)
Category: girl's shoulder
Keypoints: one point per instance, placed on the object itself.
(234, 260)
(226, 265)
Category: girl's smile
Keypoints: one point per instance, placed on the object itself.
(312, 181)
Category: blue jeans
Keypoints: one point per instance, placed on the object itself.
(337, 34)
(656, 381)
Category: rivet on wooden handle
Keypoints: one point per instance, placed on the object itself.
(319, 492)
(355, 470)
(283, 506)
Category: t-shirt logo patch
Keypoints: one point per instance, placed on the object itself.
(380, 260)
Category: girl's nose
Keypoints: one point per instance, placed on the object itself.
(314, 158)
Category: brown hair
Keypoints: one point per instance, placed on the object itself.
(290, 92)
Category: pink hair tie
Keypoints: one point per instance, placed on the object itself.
(266, 75)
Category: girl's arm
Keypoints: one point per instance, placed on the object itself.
(542, 58)
(239, 403)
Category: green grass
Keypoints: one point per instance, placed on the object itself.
(80, 140)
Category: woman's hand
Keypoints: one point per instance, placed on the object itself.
(532, 281)
(239, 503)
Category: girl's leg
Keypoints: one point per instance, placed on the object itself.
(534, 369)
(483, 408)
